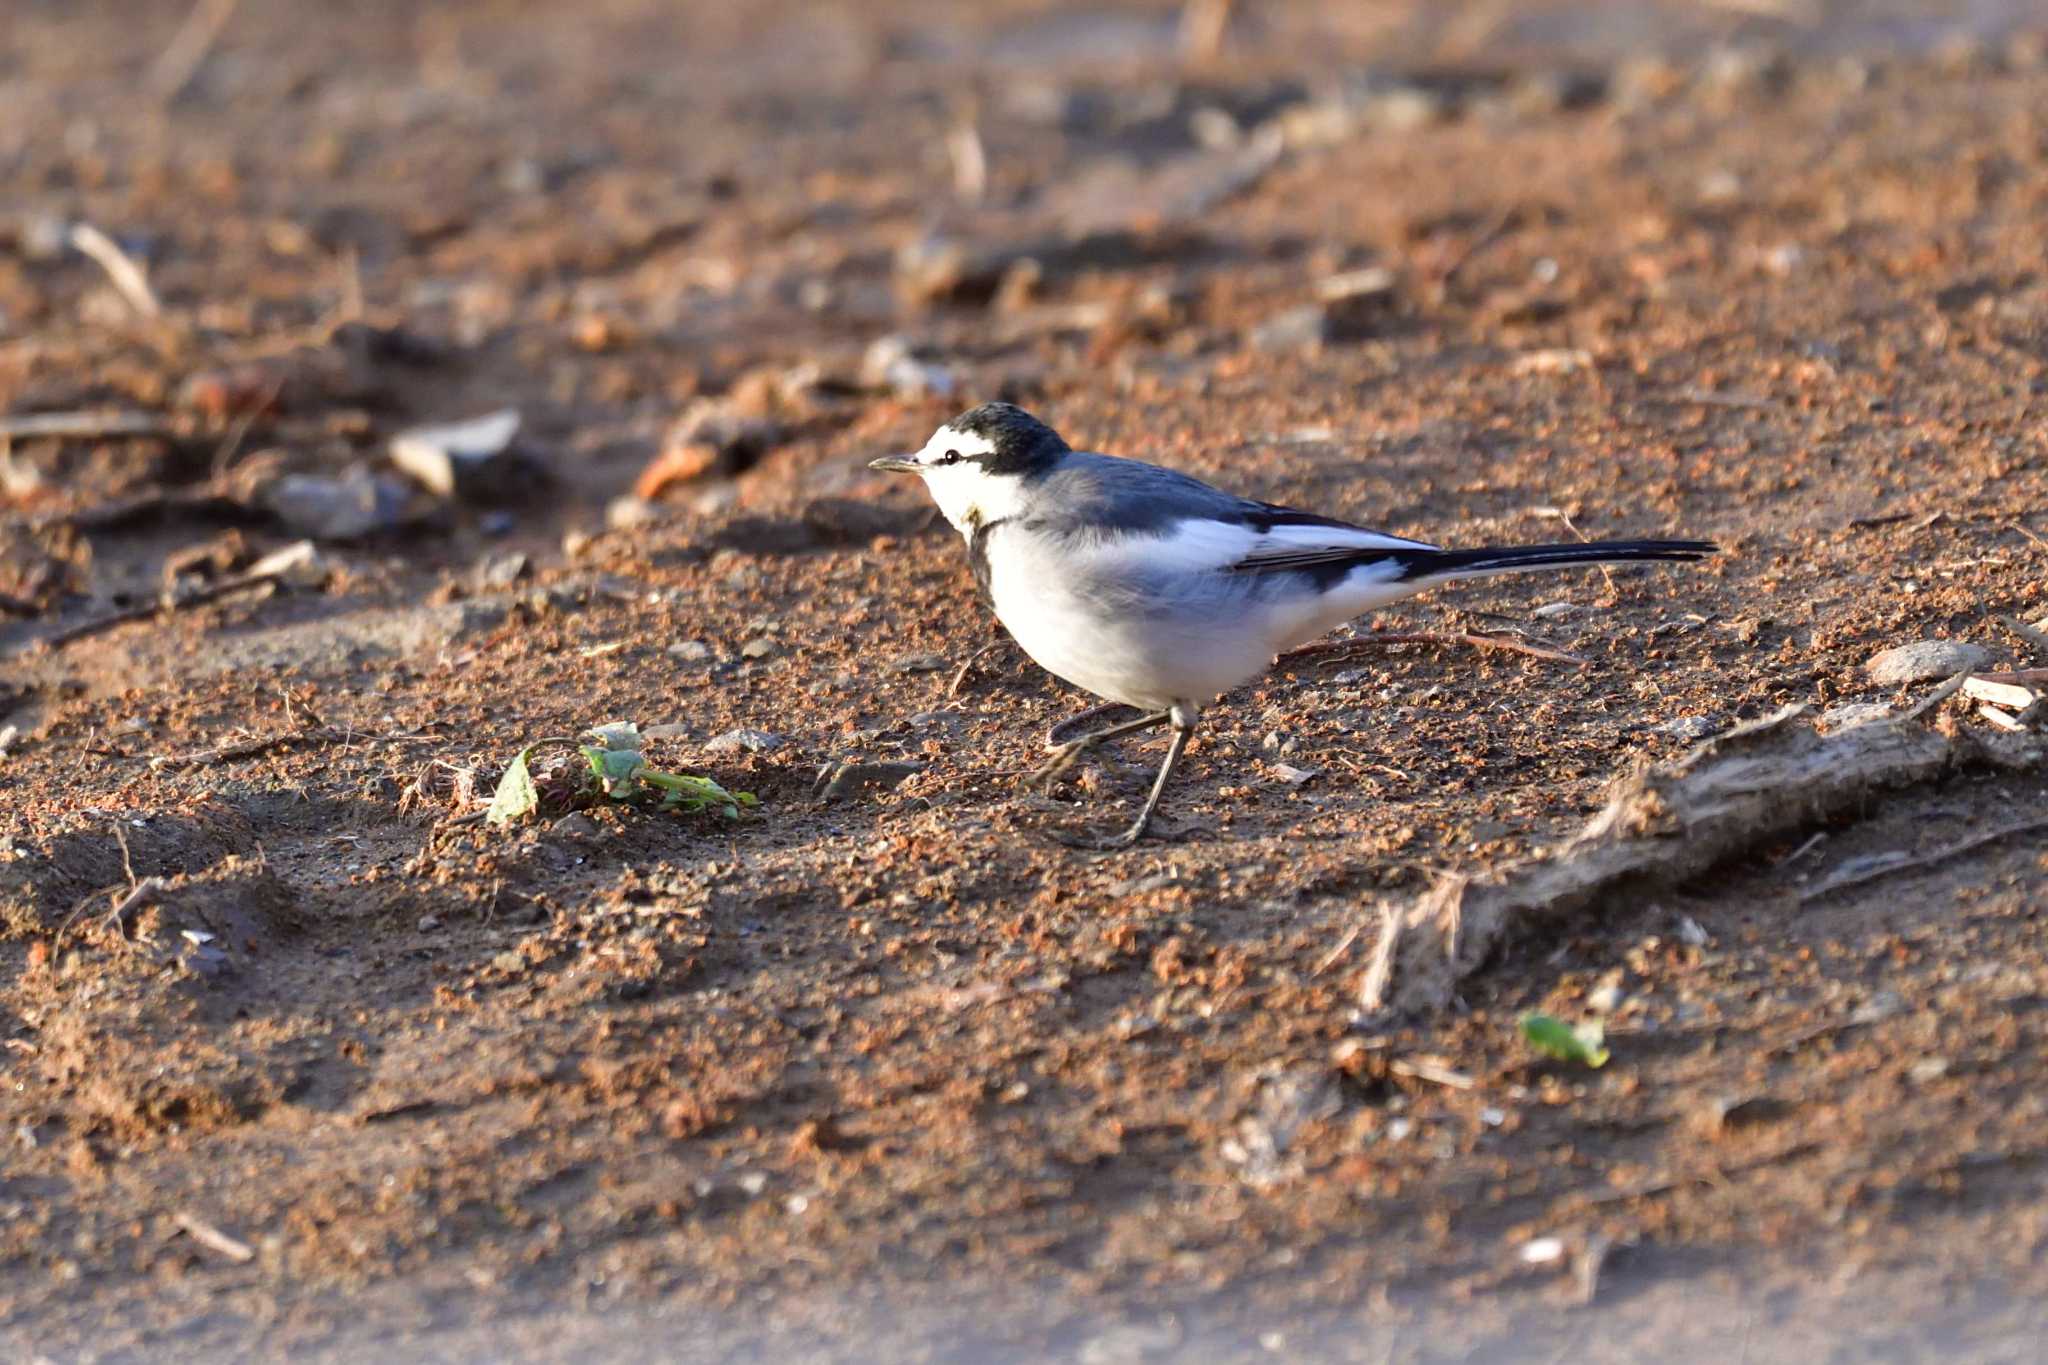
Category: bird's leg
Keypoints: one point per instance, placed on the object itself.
(1183, 731)
(1064, 756)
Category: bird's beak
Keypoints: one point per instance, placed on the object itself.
(895, 464)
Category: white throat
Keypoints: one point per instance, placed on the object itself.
(967, 494)
(970, 497)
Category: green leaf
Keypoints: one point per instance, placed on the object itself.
(619, 735)
(617, 770)
(516, 796)
(1585, 1044)
(685, 793)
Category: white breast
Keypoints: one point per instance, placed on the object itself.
(1083, 617)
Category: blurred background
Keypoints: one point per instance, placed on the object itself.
(682, 239)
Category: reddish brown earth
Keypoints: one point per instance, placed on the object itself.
(899, 1076)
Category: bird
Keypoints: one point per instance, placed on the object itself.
(1150, 588)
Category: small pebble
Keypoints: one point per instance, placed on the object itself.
(758, 648)
(751, 741)
(1687, 727)
(920, 663)
(1924, 660)
(576, 825)
(690, 651)
(1927, 1070)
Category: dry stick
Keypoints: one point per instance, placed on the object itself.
(1436, 1073)
(1342, 648)
(2037, 638)
(195, 598)
(1606, 571)
(195, 38)
(1330, 958)
(1664, 826)
(960, 674)
(121, 268)
(139, 895)
(212, 1238)
(1202, 26)
(250, 748)
(1908, 864)
(79, 426)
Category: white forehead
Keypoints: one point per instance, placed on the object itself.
(968, 443)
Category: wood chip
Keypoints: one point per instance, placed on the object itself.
(2016, 690)
(213, 1239)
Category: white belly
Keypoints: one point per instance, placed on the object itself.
(1120, 646)
(1151, 633)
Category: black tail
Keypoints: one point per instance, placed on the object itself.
(1513, 558)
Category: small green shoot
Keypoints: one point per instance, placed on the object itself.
(616, 770)
(1585, 1044)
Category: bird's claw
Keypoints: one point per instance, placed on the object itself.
(1064, 757)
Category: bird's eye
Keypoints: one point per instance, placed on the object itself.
(950, 457)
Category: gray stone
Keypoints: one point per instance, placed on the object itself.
(1926, 659)
(749, 741)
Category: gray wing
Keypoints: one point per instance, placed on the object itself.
(1104, 495)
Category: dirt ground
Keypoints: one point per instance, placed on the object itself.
(298, 1061)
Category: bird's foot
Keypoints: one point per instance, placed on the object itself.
(1064, 757)
(1058, 737)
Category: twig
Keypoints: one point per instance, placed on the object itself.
(968, 153)
(960, 674)
(1435, 1072)
(188, 49)
(1606, 572)
(196, 597)
(127, 860)
(2037, 638)
(1935, 698)
(1331, 958)
(1906, 863)
(1712, 399)
(1202, 26)
(250, 748)
(1343, 648)
(212, 1238)
(1501, 224)
(32, 426)
(128, 277)
(139, 895)
(18, 606)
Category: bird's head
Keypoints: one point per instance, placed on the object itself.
(978, 465)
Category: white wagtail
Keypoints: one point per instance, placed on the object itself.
(1150, 588)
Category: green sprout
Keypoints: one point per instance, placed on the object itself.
(617, 771)
(1585, 1044)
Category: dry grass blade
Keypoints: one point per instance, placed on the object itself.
(79, 426)
(1340, 649)
(213, 1239)
(198, 597)
(128, 277)
(1892, 867)
(195, 38)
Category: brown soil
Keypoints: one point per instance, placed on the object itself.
(898, 1076)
